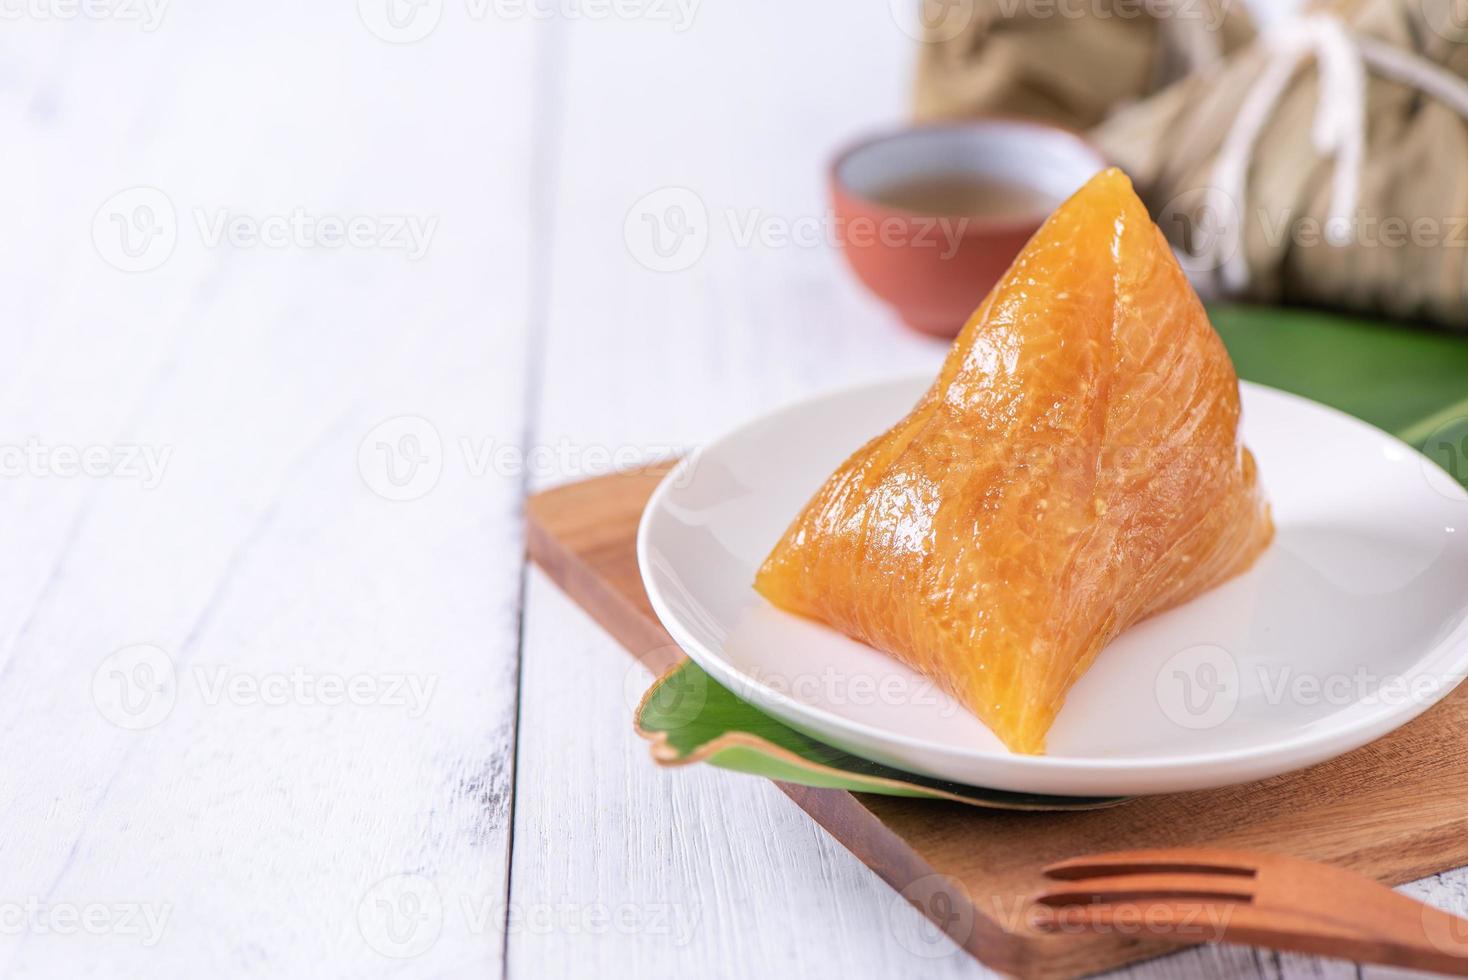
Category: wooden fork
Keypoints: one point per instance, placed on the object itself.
(1204, 895)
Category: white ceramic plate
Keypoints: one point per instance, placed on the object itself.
(1354, 621)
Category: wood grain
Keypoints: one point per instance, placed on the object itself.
(260, 824)
(1391, 810)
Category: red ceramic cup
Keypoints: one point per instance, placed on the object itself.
(936, 269)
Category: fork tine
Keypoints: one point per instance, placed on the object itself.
(1190, 861)
(1136, 888)
(1189, 921)
(1183, 920)
(1192, 920)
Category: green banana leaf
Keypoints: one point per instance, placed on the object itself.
(1407, 381)
(690, 717)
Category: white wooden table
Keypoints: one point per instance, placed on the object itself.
(301, 301)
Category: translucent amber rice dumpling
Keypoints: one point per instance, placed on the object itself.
(1075, 468)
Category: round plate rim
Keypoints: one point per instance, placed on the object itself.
(1313, 747)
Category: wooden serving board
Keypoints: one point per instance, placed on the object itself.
(1396, 810)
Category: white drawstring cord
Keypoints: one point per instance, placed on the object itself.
(1417, 71)
(1339, 128)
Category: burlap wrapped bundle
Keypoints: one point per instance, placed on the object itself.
(1325, 162)
(1070, 62)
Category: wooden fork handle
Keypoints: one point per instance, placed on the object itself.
(1410, 954)
(1431, 940)
(1397, 932)
(1445, 944)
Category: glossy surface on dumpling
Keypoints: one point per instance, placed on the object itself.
(1075, 468)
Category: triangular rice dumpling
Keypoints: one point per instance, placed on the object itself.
(1075, 468)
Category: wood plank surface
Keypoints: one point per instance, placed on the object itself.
(255, 815)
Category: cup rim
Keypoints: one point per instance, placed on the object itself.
(975, 224)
